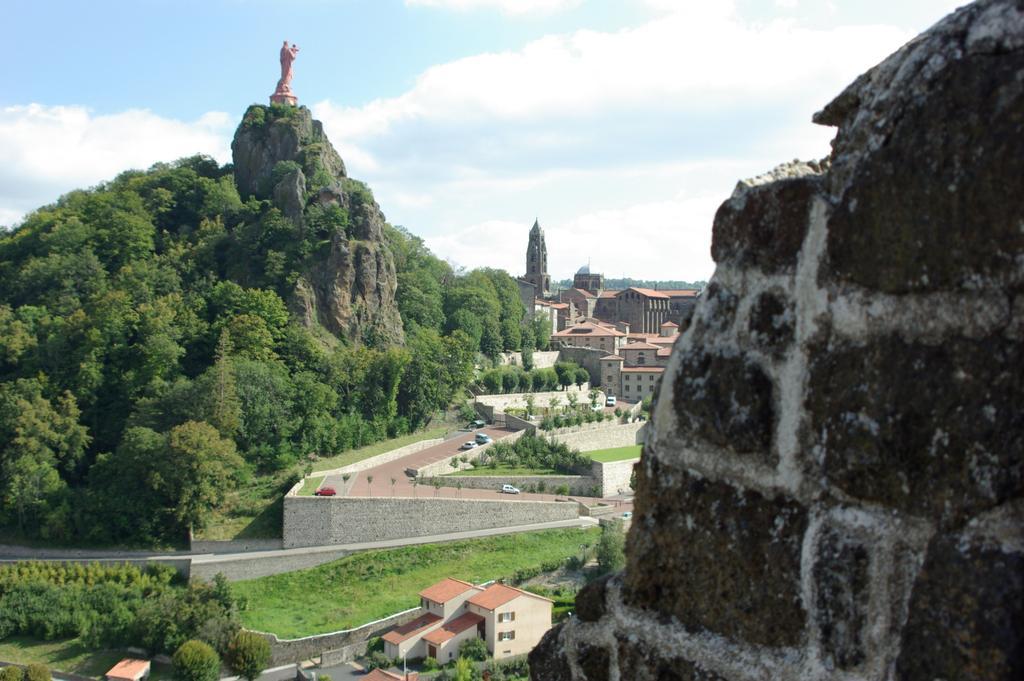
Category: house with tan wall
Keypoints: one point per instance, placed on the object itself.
(511, 621)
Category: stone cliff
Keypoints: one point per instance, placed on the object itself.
(832, 488)
(281, 154)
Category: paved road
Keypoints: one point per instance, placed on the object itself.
(581, 522)
(403, 487)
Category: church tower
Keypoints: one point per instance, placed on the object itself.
(537, 261)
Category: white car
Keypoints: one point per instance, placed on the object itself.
(469, 445)
(509, 489)
(609, 401)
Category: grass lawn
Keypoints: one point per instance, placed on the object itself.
(69, 655)
(376, 448)
(502, 471)
(616, 454)
(310, 485)
(253, 511)
(367, 586)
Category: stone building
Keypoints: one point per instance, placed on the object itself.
(590, 335)
(586, 280)
(632, 374)
(537, 262)
(832, 484)
(644, 309)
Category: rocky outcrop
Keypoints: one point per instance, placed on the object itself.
(269, 135)
(833, 483)
(281, 154)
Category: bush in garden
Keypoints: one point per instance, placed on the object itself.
(195, 661)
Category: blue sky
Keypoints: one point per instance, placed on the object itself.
(621, 124)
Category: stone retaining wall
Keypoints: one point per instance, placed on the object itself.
(287, 651)
(234, 545)
(607, 437)
(312, 521)
(833, 488)
(613, 477)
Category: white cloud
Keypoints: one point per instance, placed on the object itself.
(587, 130)
(505, 6)
(49, 150)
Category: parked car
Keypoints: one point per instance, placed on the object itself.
(325, 492)
(469, 445)
(609, 401)
(509, 489)
(627, 514)
(482, 438)
(477, 425)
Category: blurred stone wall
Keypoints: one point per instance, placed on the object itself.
(832, 485)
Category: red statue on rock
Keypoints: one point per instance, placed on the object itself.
(283, 94)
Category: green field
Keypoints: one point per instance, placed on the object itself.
(310, 484)
(616, 454)
(376, 448)
(69, 655)
(368, 586)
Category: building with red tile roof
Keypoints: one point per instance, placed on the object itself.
(511, 621)
(129, 669)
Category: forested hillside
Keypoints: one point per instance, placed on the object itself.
(155, 353)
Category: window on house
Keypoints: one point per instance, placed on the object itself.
(506, 617)
(506, 635)
(640, 359)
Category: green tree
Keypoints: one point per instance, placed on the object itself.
(463, 669)
(581, 376)
(41, 445)
(611, 547)
(196, 470)
(248, 654)
(195, 661)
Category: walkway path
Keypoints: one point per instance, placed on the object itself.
(403, 487)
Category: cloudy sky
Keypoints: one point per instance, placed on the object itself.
(620, 124)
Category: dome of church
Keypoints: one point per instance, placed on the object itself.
(583, 270)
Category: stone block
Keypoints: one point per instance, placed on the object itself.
(591, 600)
(966, 614)
(641, 662)
(715, 557)
(724, 401)
(594, 661)
(931, 430)
(938, 204)
(841, 576)
(771, 323)
(765, 225)
(548, 661)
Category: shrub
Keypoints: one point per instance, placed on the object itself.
(37, 672)
(430, 664)
(562, 490)
(195, 661)
(474, 649)
(611, 547)
(248, 654)
(378, 660)
(324, 677)
(12, 673)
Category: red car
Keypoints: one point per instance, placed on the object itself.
(325, 492)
